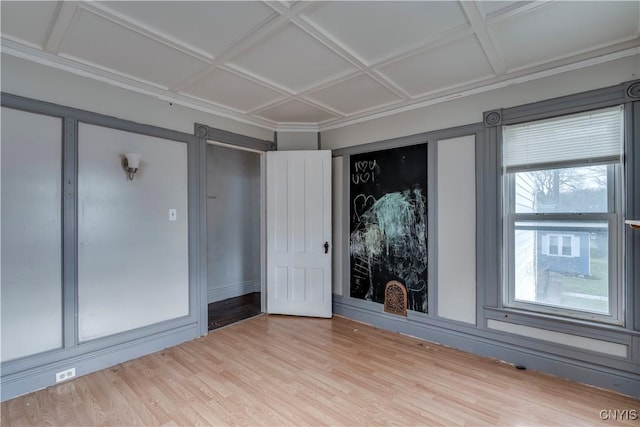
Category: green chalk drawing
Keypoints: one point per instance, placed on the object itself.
(394, 231)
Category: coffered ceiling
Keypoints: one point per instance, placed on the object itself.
(318, 65)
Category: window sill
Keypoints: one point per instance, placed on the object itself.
(558, 323)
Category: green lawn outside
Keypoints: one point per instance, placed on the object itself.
(597, 285)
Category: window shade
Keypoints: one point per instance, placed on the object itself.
(589, 136)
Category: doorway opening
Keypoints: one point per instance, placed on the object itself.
(234, 234)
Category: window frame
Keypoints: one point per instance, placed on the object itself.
(613, 218)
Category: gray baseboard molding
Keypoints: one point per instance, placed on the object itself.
(23, 382)
(627, 383)
(231, 291)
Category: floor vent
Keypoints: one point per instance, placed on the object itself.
(395, 298)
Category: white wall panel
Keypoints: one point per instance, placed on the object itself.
(31, 233)
(600, 346)
(456, 247)
(132, 261)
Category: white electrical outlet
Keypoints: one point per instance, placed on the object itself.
(173, 214)
(65, 375)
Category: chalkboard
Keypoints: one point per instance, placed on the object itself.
(388, 212)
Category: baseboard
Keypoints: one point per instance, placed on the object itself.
(223, 292)
(627, 383)
(23, 382)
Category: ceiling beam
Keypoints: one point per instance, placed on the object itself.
(249, 40)
(60, 24)
(484, 38)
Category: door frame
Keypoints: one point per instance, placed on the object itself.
(211, 136)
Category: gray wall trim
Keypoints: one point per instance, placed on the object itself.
(632, 211)
(203, 236)
(31, 372)
(497, 345)
(632, 91)
(465, 330)
(403, 141)
(489, 234)
(48, 108)
(69, 233)
(346, 225)
(219, 135)
(599, 98)
(635, 349)
(195, 232)
(86, 347)
(432, 228)
(492, 118)
(22, 382)
(481, 220)
(538, 320)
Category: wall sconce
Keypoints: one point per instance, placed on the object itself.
(130, 164)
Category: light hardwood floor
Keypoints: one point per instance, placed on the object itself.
(276, 370)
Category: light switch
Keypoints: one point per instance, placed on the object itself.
(173, 215)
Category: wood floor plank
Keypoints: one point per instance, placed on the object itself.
(280, 370)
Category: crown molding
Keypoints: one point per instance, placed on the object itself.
(22, 51)
(502, 83)
(34, 54)
(297, 127)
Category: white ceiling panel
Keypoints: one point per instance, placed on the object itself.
(354, 95)
(287, 65)
(561, 29)
(295, 111)
(27, 21)
(207, 26)
(293, 60)
(227, 89)
(495, 7)
(374, 31)
(101, 42)
(453, 64)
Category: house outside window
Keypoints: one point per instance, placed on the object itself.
(560, 244)
(562, 226)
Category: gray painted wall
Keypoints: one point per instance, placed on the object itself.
(31, 290)
(132, 259)
(297, 141)
(233, 222)
(101, 322)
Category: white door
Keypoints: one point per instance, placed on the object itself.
(299, 233)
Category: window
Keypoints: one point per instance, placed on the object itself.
(560, 245)
(562, 225)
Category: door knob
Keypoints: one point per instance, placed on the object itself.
(326, 247)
